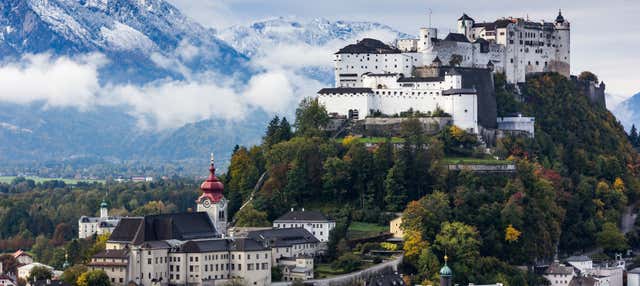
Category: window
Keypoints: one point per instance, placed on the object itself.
(149, 261)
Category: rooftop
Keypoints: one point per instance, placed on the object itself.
(342, 90)
(303, 215)
(215, 245)
(284, 237)
(369, 46)
(180, 226)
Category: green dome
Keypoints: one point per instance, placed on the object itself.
(104, 204)
(446, 271)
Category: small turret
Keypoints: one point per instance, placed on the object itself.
(559, 19)
(465, 23)
(446, 275)
(104, 209)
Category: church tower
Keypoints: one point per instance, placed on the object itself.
(104, 209)
(446, 275)
(212, 200)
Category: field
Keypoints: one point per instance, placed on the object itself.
(476, 161)
(8, 179)
(363, 229)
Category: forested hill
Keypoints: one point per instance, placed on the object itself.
(573, 182)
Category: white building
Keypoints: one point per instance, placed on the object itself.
(5, 280)
(180, 249)
(25, 270)
(518, 123)
(580, 262)
(559, 274)
(192, 248)
(633, 277)
(393, 93)
(513, 46)
(88, 226)
(292, 250)
(313, 221)
(22, 257)
(299, 268)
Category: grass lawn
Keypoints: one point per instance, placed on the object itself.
(362, 229)
(476, 161)
(325, 270)
(8, 179)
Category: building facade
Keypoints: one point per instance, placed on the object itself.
(313, 221)
(89, 226)
(513, 46)
(393, 93)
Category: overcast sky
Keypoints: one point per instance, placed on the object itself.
(605, 35)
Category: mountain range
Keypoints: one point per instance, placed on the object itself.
(628, 111)
(143, 43)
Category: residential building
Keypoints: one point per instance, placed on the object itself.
(559, 274)
(395, 227)
(5, 280)
(313, 221)
(22, 257)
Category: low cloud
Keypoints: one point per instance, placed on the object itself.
(167, 104)
(164, 104)
(58, 82)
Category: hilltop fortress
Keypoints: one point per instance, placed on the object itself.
(451, 74)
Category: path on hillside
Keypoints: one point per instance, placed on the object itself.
(628, 219)
(256, 188)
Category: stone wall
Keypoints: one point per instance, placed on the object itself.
(382, 127)
(355, 278)
(478, 78)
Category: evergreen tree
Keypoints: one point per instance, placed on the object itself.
(273, 129)
(633, 136)
(284, 132)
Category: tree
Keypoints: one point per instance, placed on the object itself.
(588, 76)
(72, 273)
(633, 136)
(40, 273)
(93, 278)
(311, 117)
(348, 262)
(511, 234)
(413, 244)
(276, 273)
(396, 193)
(458, 240)
(9, 263)
(611, 239)
(250, 217)
(427, 214)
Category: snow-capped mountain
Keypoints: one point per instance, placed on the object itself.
(628, 111)
(252, 39)
(146, 42)
(133, 34)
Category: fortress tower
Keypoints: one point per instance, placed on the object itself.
(212, 200)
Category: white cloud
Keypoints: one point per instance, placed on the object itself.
(66, 82)
(58, 82)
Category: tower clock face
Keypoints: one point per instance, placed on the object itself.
(206, 203)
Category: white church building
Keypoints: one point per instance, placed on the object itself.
(89, 226)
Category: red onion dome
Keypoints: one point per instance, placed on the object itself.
(212, 188)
